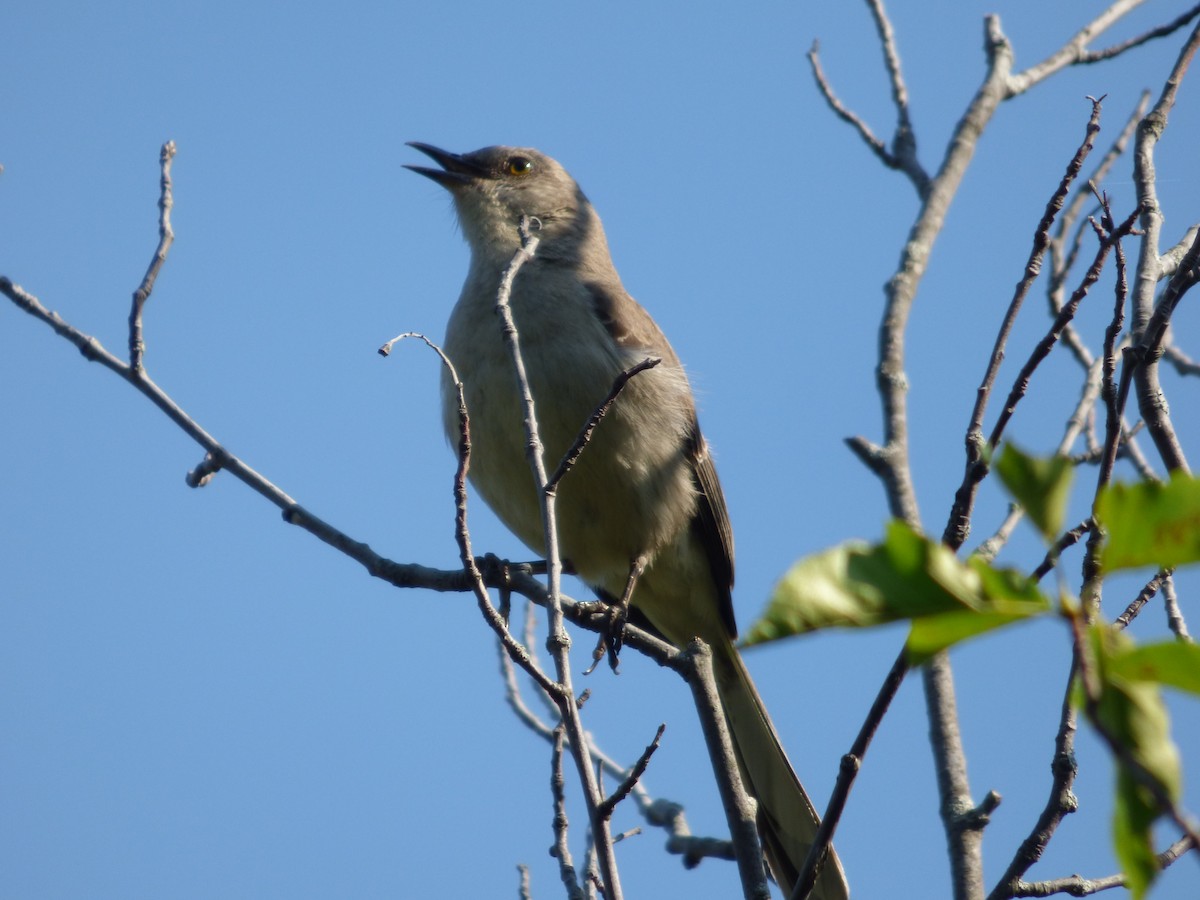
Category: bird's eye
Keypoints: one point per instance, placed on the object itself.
(519, 165)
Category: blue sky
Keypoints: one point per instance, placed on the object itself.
(198, 700)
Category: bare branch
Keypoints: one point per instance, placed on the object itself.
(964, 834)
(1060, 802)
(891, 460)
(659, 813)
(1151, 401)
(1151, 398)
(959, 524)
(1075, 51)
(693, 848)
(901, 289)
(904, 140)
(498, 623)
(1062, 256)
(1078, 886)
(1175, 619)
(891, 59)
(845, 114)
(166, 237)
(1150, 130)
(1094, 56)
(1044, 346)
(94, 351)
(1183, 363)
(562, 848)
(990, 548)
(903, 152)
(585, 435)
(512, 688)
(739, 808)
(1084, 190)
(1168, 263)
(1113, 422)
(851, 764)
(557, 640)
(1145, 595)
(1068, 539)
(635, 774)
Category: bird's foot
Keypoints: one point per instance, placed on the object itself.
(498, 572)
(612, 617)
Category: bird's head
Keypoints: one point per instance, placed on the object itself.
(495, 187)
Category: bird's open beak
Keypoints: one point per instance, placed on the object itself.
(454, 171)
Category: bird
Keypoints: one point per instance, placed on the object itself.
(642, 515)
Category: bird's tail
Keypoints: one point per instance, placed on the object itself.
(787, 821)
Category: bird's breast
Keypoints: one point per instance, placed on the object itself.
(631, 491)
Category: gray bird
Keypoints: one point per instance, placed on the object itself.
(643, 508)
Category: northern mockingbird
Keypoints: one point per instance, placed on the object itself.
(644, 496)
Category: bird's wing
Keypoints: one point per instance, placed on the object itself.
(631, 327)
(711, 524)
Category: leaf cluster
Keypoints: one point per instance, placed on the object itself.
(909, 577)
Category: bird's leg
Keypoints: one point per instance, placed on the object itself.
(612, 637)
(498, 571)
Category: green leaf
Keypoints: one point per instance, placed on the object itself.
(1133, 815)
(1173, 663)
(1132, 713)
(1040, 484)
(1004, 597)
(1131, 710)
(1150, 523)
(932, 634)
(818, 592)
(907, 576)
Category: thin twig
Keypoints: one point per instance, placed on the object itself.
(557, 639)
(1145, 595)
(847, 773)
(397, 574)
(1108, 388)
(904, 140)
(1094, 56)
(1068, 539)
(657, 812)
(1044, 346)
(1083, 417)
(632, 778)
(166, 237)
(990, 548)
(902, 287)
(1151, 399)
(891, 461)
(1078, 886)
(1060, 802)
(585, 435)
(1151, 402)
(958, 525)
(845, 113)
(519, 653)
(1062, 257)
(1183, 363)
(562, 848)
(1075, 51)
